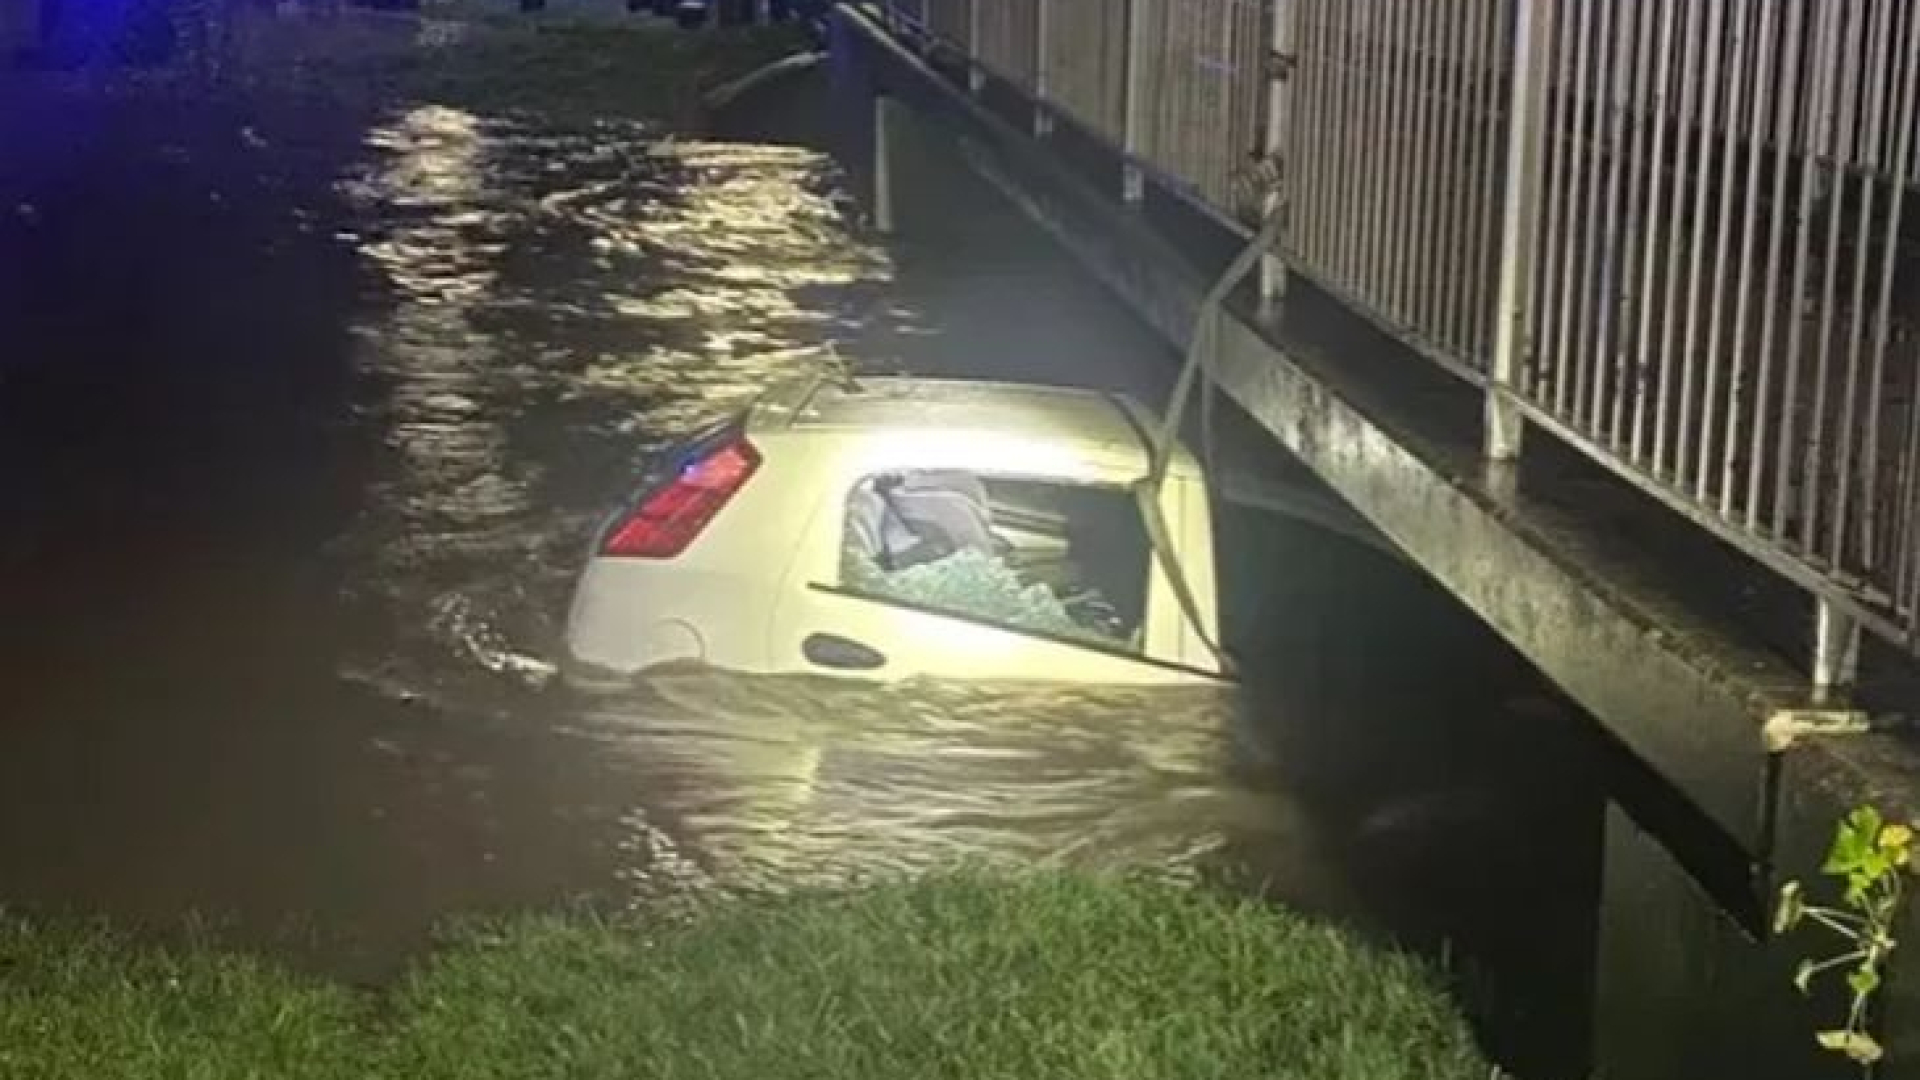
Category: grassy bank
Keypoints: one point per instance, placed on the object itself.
(1030, 977)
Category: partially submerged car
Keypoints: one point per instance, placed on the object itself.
(898, 527)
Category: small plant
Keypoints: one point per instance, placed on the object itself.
(1869, 857)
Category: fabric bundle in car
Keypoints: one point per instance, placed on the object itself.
(904, 520)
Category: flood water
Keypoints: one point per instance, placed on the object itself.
(305, 418)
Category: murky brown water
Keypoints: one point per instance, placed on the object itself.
(304, 423)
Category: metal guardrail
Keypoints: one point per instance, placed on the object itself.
(1675, 233)
(1201, 85)
(1006, 39)
(1396, 153)
(1085, 63)
(1719, 305)
(1179, 85)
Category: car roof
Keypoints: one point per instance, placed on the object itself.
(1113, 425)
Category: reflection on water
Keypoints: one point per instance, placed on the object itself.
(306, 424)
(560, 302)
(774, 783)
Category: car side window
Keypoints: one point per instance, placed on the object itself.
(1057, 559)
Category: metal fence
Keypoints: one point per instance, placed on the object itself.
(1723, 299)
(1676, 233)
(1085, 68)
(950, 20)
(1200, 89)
(1007, 39)
(1180, 85)
(1396, 154)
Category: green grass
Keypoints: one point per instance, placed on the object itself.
(983, 976)
(83, 1003)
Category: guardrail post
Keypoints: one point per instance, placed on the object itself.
(1519, 222)
(1836, 648)
(885, 209)
(976, 75)
(1273, 270)
(1042, 108)
(1133, 185)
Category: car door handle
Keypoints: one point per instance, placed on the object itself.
(834, 651)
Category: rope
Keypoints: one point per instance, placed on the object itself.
(1200, 346)
(1200, 343)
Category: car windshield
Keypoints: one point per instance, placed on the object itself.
(1044, 557)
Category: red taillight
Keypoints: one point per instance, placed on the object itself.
(667, 521)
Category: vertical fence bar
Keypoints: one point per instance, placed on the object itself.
(1519, 220)
(1426, 75)
(1633, 234)
(1813, 462)
(1473, 170)
(1764, 78)
(1869, 159)
(1784, 138)
(885, 136)
(1586, 283)
(1617, 101)
(1452, 332)
(1365, 159)
(1306, 129)
(1643, 342)
(1725, 137)
(1491, 105)
(1413, 167)
(1347, 240)
(1276, 136)
(1907, 483)
(1817, 132)
(1679, 242)
(1907, 109)
(1563, 179)
(976, 75)
(1042, 84)
(1393, 159)
(1314, 154)
(1302, 131)
(1132, 183)
(1566, 333)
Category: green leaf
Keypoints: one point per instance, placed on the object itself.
(1866, 822)
(1857, 1045)
(1875, 864)
(1864, 979)
(1803, 976)
(1853, 841)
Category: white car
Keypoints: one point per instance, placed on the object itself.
(896, 527)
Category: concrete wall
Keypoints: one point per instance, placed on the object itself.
(1709, 815)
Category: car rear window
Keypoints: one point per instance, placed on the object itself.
(1062, 560)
